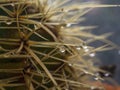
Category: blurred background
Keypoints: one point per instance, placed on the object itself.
(107, 20)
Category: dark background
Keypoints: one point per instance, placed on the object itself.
(107, 20)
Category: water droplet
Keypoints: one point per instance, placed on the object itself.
(86, 72)
(62, 50)
(85, 47)
(96, 78)
(92, 54)
(86, 50)
(8, 22)
(78, 48)
(70, 64)
(107, 74)
(68, 25)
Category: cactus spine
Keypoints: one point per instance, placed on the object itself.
(39, 50)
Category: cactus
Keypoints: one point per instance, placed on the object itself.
(41, 48)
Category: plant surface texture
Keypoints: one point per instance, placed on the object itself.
(43, 48)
